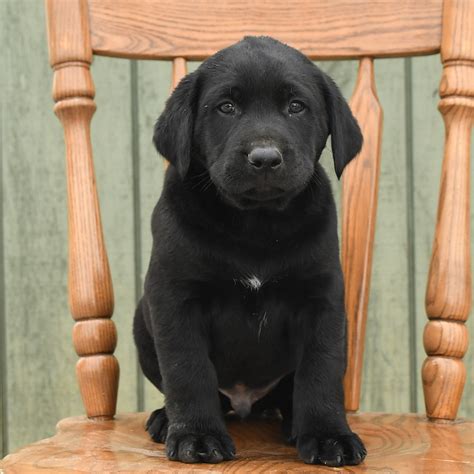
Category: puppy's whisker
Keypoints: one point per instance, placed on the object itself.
(207, 185)
(201, 180)
(199, 176)
(262, 323)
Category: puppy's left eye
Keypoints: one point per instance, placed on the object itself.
(296, 107)
(227, 108)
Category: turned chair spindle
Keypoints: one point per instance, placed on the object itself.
(448, 294)
(91, 297)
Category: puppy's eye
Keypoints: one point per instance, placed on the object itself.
(295, 107)
(227, 108)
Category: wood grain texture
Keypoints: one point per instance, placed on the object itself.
(359, 207)
(445, 339)
(94, 337)
(449, 289)
(90, 283)
(428, 156)
(98, 377)
(195, 29)
(180, 69)
(395, 443)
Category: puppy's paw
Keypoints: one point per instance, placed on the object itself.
(337, 450)
(191, 447)
(157, 425)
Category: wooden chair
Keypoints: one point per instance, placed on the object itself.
(323, 29)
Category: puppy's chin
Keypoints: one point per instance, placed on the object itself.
(251, 200)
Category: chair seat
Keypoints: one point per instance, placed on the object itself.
(395, 443)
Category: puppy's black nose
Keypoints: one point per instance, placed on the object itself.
(268, 157)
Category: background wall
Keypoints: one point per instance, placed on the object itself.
(37, 359)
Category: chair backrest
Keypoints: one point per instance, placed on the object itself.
(324, 29)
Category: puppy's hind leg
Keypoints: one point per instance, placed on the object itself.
(284, 401)
(280, 398)
(157, 423)
(146, 348)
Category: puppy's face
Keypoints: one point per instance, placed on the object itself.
(257, 116)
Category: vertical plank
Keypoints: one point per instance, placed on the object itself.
(112, 143)
(428, 154)
(180, 69)
(3, 426)
(385, 385)
(385, 376)
(359, 216)
(41, 386)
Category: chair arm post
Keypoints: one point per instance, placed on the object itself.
(448, 294)
(90, 286)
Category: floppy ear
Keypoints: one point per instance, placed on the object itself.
(346, 137)
(174, 128)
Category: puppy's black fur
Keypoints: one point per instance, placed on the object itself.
(244, 298)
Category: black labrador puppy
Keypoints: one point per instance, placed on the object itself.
(243, 308)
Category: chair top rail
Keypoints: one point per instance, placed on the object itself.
(326, 29)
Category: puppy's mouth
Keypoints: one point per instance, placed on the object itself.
(263, 194)
(269, 198)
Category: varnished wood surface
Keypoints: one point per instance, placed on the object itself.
(359, 209)
(395, 443)
(449, 289)
(180, 69)
(429, 135)
(91, 296)
(195, 29)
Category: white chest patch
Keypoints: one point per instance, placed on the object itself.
(252, 282)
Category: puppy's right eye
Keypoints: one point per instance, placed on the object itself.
(227, 108)
(296, 107)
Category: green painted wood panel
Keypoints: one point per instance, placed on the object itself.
(2, 279)
(428, 139)
(386, 381)
(36, 354)
(387, 313)
(112, 144)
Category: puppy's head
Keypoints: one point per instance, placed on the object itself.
(257, 116)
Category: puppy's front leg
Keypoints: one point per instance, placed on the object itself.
(196, 429)
(319, 420)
